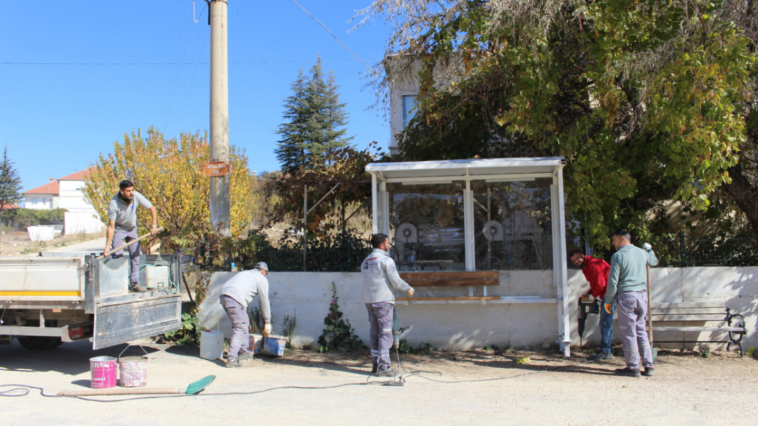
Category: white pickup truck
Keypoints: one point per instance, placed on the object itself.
(55, 298)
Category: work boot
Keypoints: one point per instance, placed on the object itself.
(601, 356)
(649, 372)
(374, 369)
(627, 372)
(387, 373)
(244, 357)
(233, 363)
(136, 288)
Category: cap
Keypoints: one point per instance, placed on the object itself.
(261, 265)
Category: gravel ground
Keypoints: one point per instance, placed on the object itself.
(687, 390)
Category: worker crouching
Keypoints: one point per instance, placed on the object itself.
(236, 295)
(379, 276)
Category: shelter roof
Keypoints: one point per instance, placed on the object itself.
(489, 169)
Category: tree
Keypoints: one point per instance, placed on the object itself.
(641, 98)
(168, 172)
(315, 121)
(10, 183)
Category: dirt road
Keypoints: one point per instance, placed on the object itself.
(549, 391)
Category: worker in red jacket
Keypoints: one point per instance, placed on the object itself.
(596, 272)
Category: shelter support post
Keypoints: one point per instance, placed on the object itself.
(560, 271)
(374, 211)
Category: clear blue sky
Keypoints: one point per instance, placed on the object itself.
(56, 119)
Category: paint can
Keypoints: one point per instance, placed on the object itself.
(133, 371)
(274, 346)
(103, 372)
(256, 343)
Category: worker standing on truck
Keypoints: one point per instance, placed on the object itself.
(236, 295)
(122, 226)
(596, 272)
(629, 275)
(379, 276)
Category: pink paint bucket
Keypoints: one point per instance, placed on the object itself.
(103, 370)
(133, 371)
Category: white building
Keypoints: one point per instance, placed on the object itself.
(66, 193)
(70, 194)
(44, 197)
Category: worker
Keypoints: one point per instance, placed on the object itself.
(627, 284)
(596, 272)
(122, 227)
(379, 276)
(236, 295)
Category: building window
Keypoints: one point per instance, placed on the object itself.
(409, 108)
(34, 200)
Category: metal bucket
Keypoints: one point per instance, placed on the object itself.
(103, 372)
(133, 371)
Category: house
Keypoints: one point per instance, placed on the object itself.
(70, 195)
(44, 197)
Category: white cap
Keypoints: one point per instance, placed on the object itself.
(261, 265)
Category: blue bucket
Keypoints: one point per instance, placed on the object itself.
(274, 346)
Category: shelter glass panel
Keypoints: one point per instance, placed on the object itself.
(512, 225)
(427, 227)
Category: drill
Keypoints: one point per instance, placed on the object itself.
(585, 308)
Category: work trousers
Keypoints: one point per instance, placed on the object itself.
(380, 337)
(632, 307)
(119, 239)
(606, 328)
(240, 327)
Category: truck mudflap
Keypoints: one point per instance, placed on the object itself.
(122, 316)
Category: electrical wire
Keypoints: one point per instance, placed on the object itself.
(286, 61)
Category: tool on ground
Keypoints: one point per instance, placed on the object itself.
(131, 242)
(192, 389)
(585, 308)
(397, 331)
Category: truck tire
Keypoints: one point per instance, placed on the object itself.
(39, 343)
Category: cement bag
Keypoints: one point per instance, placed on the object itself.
(212, 315)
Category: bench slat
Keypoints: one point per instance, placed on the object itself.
(449, 275)
(715, 304)
(686, 311)
(683, 318)
(696, 329)
(453, 283)
(411, 299)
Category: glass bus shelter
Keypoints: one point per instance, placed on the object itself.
(476, 215)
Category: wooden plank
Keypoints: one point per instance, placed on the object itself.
(452, 283)
(697, 329)
(685, 318)
(411, 299)
(449, 275)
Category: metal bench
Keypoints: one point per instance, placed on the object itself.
(470, 279)
(705, 313)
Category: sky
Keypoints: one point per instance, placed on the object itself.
(74, 76)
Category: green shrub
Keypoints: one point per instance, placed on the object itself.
(339, 335)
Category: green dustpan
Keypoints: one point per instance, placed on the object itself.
(199, 385)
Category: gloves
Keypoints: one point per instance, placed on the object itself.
(267, 329)
(608, 308)
(411, 291)
(647, 246)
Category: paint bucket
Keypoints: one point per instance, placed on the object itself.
(103, 371)
(256, 343)
(274, 346)
(211, 344)
(133, 371)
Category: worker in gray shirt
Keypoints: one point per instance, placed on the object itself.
(122, 227)
(379, 276)
(235, 296)
(627, 282)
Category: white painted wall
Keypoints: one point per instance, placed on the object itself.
(72, 198)
(41, 201)
(465, 326)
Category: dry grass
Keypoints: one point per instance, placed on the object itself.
(18, 242)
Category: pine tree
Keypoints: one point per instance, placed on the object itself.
(315, 121)
(10, 183)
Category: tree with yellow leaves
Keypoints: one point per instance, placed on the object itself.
(168, 172)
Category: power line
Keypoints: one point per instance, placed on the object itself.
(335, 37)
(174, 63)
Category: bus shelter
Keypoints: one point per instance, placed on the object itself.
(459, 218)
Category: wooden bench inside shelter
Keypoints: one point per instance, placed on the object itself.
(689, 318)
(468, 279)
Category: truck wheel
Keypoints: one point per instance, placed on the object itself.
(39, 343)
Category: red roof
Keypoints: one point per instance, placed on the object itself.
(49, 188)
(10, 206)
(76, 176)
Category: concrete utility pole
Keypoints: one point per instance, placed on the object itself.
(219, 194)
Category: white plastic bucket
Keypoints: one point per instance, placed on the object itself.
(133, 371)
(211, 344)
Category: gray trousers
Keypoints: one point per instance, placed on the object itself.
(631, 308)
(240, 327)
(380, 338)
(119, 239)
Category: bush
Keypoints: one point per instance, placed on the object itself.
(24, 218)
(339, 335)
